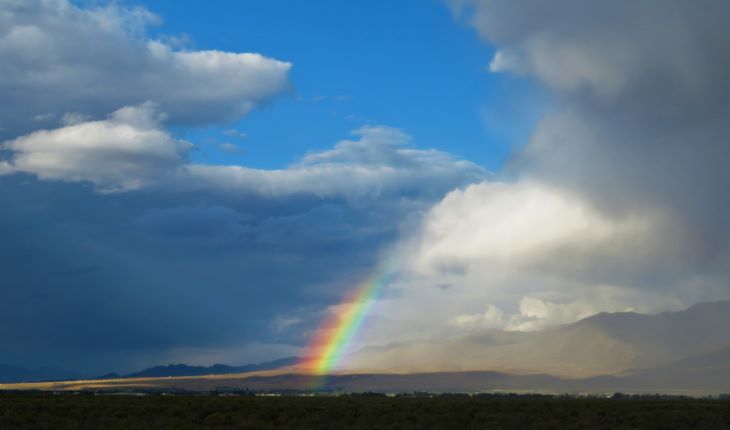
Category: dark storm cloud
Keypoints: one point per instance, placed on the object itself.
(643, 118)
(641, 95)
(97, 280)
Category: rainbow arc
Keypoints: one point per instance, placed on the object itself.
(334, 337)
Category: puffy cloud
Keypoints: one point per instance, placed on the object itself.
(229, 147)
(610, 50)
(522, 256)
(232, 132)
(491, 318)
(126, 151)
(509, 222)
(379, 163)
(131, 150)
(49, 68)
(6, 168)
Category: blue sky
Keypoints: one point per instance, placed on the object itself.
(201, 182)
(406, 64)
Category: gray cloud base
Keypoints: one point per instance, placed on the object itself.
(618, 201)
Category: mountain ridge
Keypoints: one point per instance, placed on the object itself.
(606, 343)
(687, 349)
(215, 369)
(18, 374)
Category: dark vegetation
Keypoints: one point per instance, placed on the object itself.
(155, 411)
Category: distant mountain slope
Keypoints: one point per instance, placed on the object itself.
(669, 336)
(470, 382)
(685, 351)
(702, 372)
(216, 369)
(606, 343)
(12, 374)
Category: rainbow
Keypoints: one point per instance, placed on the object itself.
(333, 338)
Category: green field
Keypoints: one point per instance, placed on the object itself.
(88, 411)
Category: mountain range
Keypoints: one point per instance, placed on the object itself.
(175, 370)
(10, 374)
(617, 344)
(685, 352)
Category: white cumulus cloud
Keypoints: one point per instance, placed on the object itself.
(58, 57)
(126, 151)
(379, 163)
